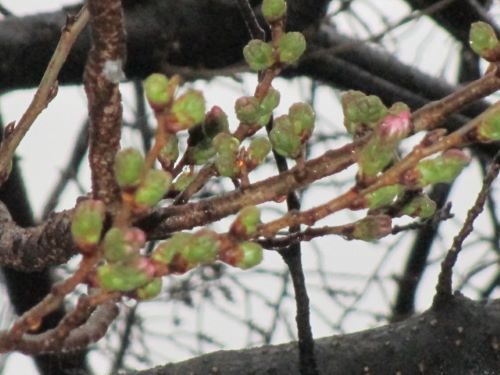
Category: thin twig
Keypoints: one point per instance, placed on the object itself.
(45, 92)
(444, 285)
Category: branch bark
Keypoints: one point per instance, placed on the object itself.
(460, 338)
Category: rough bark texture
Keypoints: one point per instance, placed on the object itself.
(462, 338)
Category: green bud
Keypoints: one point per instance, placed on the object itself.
(384, 196)
(156, 88)
(374, 156)
(150, 290)
(302, 117)
(225, 143)
(123, 244)
(247, 221)
(483, 39)
(258, 55)
(291, 46)
(87, 223)
(202, 249)
(270, 101)
(184, 180)
(129, 168)
(442, 169)
(247, 109)
(215, 122)
(489, 128)
(166, 251)
(360, 109)
(227, 165)
(273, 10)
(372, 227)
(252, 255)
(170, 151)
(202, 152)
(155, 185)
(421, 206)
(283, 138)
(189, 109)
(258, 150)
(125, 277)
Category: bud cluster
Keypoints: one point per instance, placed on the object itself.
(290, 132)
(177, 113)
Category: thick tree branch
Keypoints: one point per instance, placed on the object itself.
(462, 338)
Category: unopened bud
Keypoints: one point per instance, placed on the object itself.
(442, 169)
(283, 138)
(421, 206)
(489, 128)
(247, 109)
(129, 167)
(384, 196)
(258, 150)
(154, 186)
(123, 244)
(156, 88)
(273, 10)
(302, 117)
(202, 248)
(86, 224)
(125, 277)
(258, 54)
(150, 290)
(291, 47)
(166, 251)
(483, 41)
(251, 255)
(246, 223)
(372, 227)
(188, 109)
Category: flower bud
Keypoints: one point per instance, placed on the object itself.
(87, 222)
(227, 165)
(215, 122)
(225, 143)
(258, 55)
(128, 167)
(202, 152)
(489, 128)
(273, 10)
(302, 117)
(283, 138)
(442, 169)
(166, 251)
(246, 223)
(189, 109)
(258, 150)
(169, 152)
(123, 244)
(396, 124)
(360, 109)
(184, 180)
(125, 277)
(247, 109)
(270, 101)
(202, 248)
(384, 196)
(373, 157)
(251, 255)
(421, 206)
(156, 88)
(155, 185)
(372, 227)
(150, 290)
(291, 46)
(483, 40)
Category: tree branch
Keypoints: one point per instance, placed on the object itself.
(463, 338)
